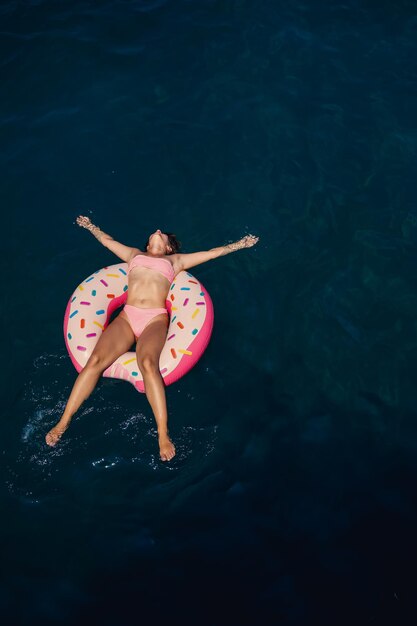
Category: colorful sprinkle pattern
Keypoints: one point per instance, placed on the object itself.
(190, 325)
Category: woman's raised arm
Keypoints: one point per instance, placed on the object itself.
(187, 261)
(119, 249)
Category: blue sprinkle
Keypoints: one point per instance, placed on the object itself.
(185, 289)
(202, 293)
(188, 274)
(88, 279)
(174, 318)
(93, 293)
(134, 373)
(172, 286)
(69, 336)
(100, 312)
(195, 331)
(75, 313)
(125, 288)
(121, 270)
(73, 298)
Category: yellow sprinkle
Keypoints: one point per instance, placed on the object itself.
(174, 308)
(97, 324)
(195, 313)
(129, 361)
(185, 351)
(114, 275)
(80, 287)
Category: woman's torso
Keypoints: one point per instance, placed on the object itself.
(147, 287)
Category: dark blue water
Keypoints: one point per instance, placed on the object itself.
(292, 499)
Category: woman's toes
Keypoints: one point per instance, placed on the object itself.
(50, 440)
(167, 456)
(166, 449)
(53, 436)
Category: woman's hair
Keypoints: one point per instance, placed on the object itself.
(173, 242)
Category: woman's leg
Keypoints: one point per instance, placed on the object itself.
(148, 351)
(115, 340)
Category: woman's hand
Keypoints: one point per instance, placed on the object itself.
(84, 222)
(248, 241)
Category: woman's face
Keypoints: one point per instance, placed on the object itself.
(159, 237)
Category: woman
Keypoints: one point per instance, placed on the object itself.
(144, 319)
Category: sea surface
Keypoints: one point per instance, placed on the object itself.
(292, 499)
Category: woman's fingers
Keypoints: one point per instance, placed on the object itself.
(83, 221)
(250, 240)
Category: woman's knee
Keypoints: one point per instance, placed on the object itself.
(96, 362)
(148, 364)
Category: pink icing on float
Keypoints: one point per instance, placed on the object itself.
(93, 302)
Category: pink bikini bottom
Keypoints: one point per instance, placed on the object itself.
(139, 318)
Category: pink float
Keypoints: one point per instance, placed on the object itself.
(93, 302)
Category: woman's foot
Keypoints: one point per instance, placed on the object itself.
(55, 434)
(166, 448)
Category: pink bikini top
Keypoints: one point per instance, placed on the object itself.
(163, 266)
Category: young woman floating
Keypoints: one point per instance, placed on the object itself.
(144, 320)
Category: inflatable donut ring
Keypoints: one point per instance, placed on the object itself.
(90, 308)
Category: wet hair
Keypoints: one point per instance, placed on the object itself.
(173, 242)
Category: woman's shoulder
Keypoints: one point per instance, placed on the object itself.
(134, 252)
(174, 259)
